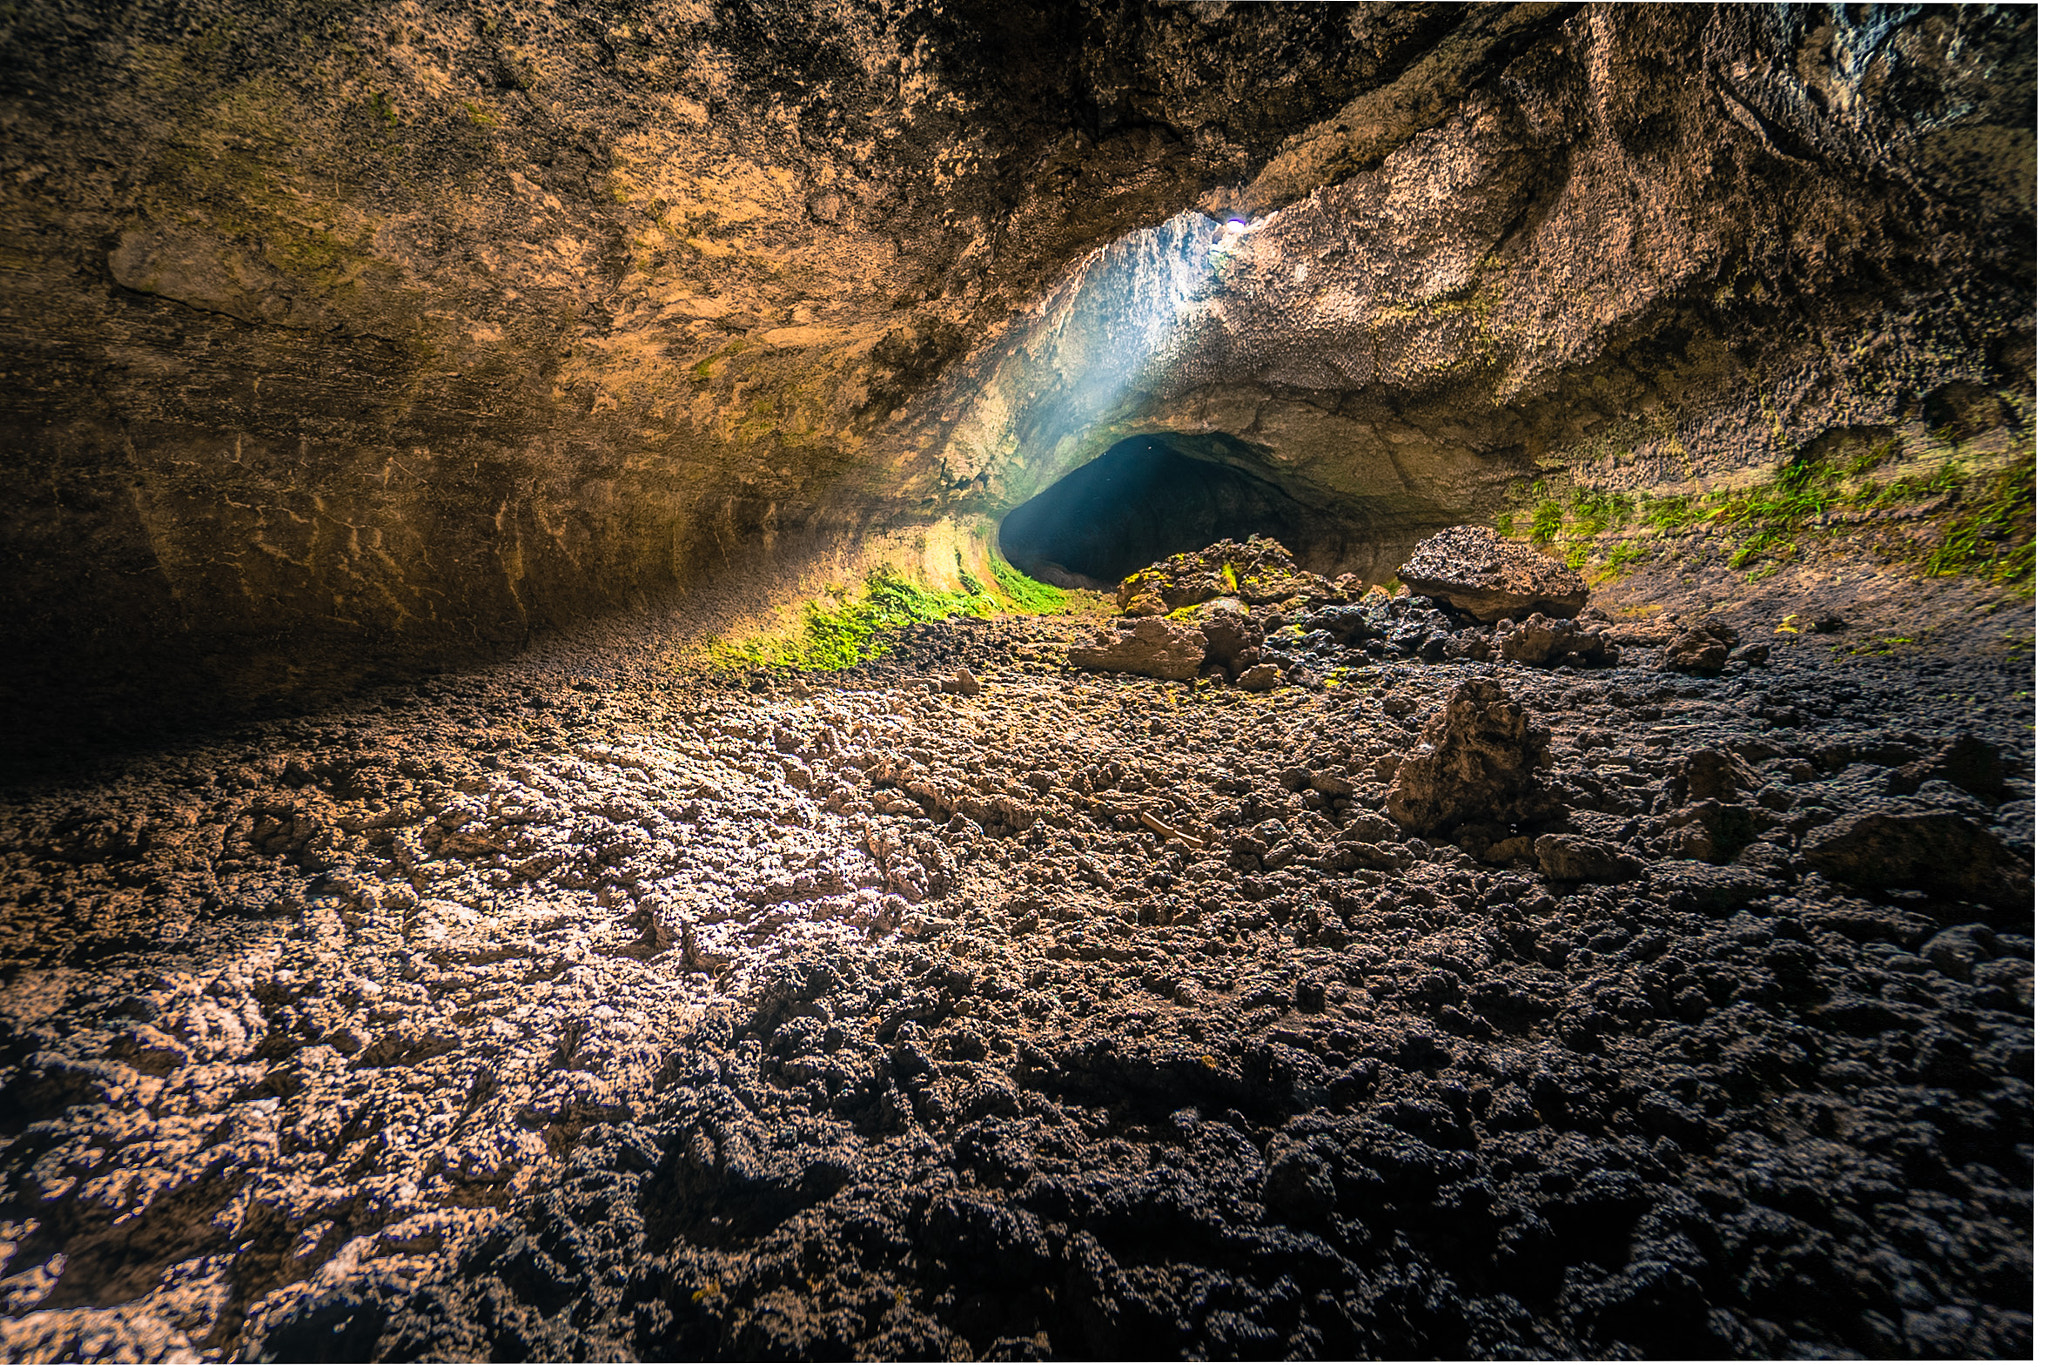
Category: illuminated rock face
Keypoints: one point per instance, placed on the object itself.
(339, 345)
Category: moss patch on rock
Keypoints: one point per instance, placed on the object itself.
(1954, 514)
(847, 627)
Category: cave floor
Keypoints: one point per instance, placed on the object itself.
(541, 1014)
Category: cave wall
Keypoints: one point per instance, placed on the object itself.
(342, 337)
(340, 333)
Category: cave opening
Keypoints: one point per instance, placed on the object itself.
(1143, 500)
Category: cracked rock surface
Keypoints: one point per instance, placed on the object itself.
(551, 1013)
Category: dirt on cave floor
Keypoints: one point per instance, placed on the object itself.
(583, 1009)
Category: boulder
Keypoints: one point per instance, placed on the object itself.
(1541, 640)
(1256, 571)
(1700, 649)
(1143, 645)
(1971, 764)
(1233, 637)
(1479, 759)
(1474, 570)
(1897, 845)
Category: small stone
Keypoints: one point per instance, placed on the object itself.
(1576, 859)
(1330, 783)
(1261, 678)
(963, 683)
(1715, 775)
(1700, 649)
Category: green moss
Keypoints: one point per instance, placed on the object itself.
(1986, 530)
(702, 370)
(844, 632)
(1024, 593)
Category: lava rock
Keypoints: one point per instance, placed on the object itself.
(1144, 645)
(1577, 859)
(1971, 764)
(1232, 635)
(1256, 571)
(1714, 775)
(1260, 678)
(1893, 845)
(1541, 640)
(1480, 758)
(1700, 649)
(962, 683)
(1475, 571)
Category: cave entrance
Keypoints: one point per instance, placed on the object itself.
(1143, 500)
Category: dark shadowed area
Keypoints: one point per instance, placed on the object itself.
(1142, 500)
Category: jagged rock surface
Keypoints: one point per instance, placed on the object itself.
(347, 340)
(1473, 570)
(1480, 758)
(555, 1014)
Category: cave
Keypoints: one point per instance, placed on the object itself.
(1143, 500)
(578, 781)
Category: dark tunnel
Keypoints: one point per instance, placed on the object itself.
(1141, 501)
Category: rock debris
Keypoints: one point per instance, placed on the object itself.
(1422, 1005)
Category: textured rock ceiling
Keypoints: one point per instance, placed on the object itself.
(342, 337)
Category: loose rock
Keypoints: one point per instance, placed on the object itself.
(1144, 645)
(1701, 649)
(1541, 640)
(1473, 570)
(1479, 758)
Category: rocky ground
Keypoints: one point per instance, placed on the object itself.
(584, 1009)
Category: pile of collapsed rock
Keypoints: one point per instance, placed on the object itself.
(1245, 613)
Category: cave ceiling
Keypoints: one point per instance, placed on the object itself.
(353, 334)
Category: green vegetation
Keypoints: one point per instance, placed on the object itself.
(1593, 512)
(1621, 557)
(843, 632)
(1023, 592)
(1985, 519)
(1984, 538)
(844, 628)
(1875, 645)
